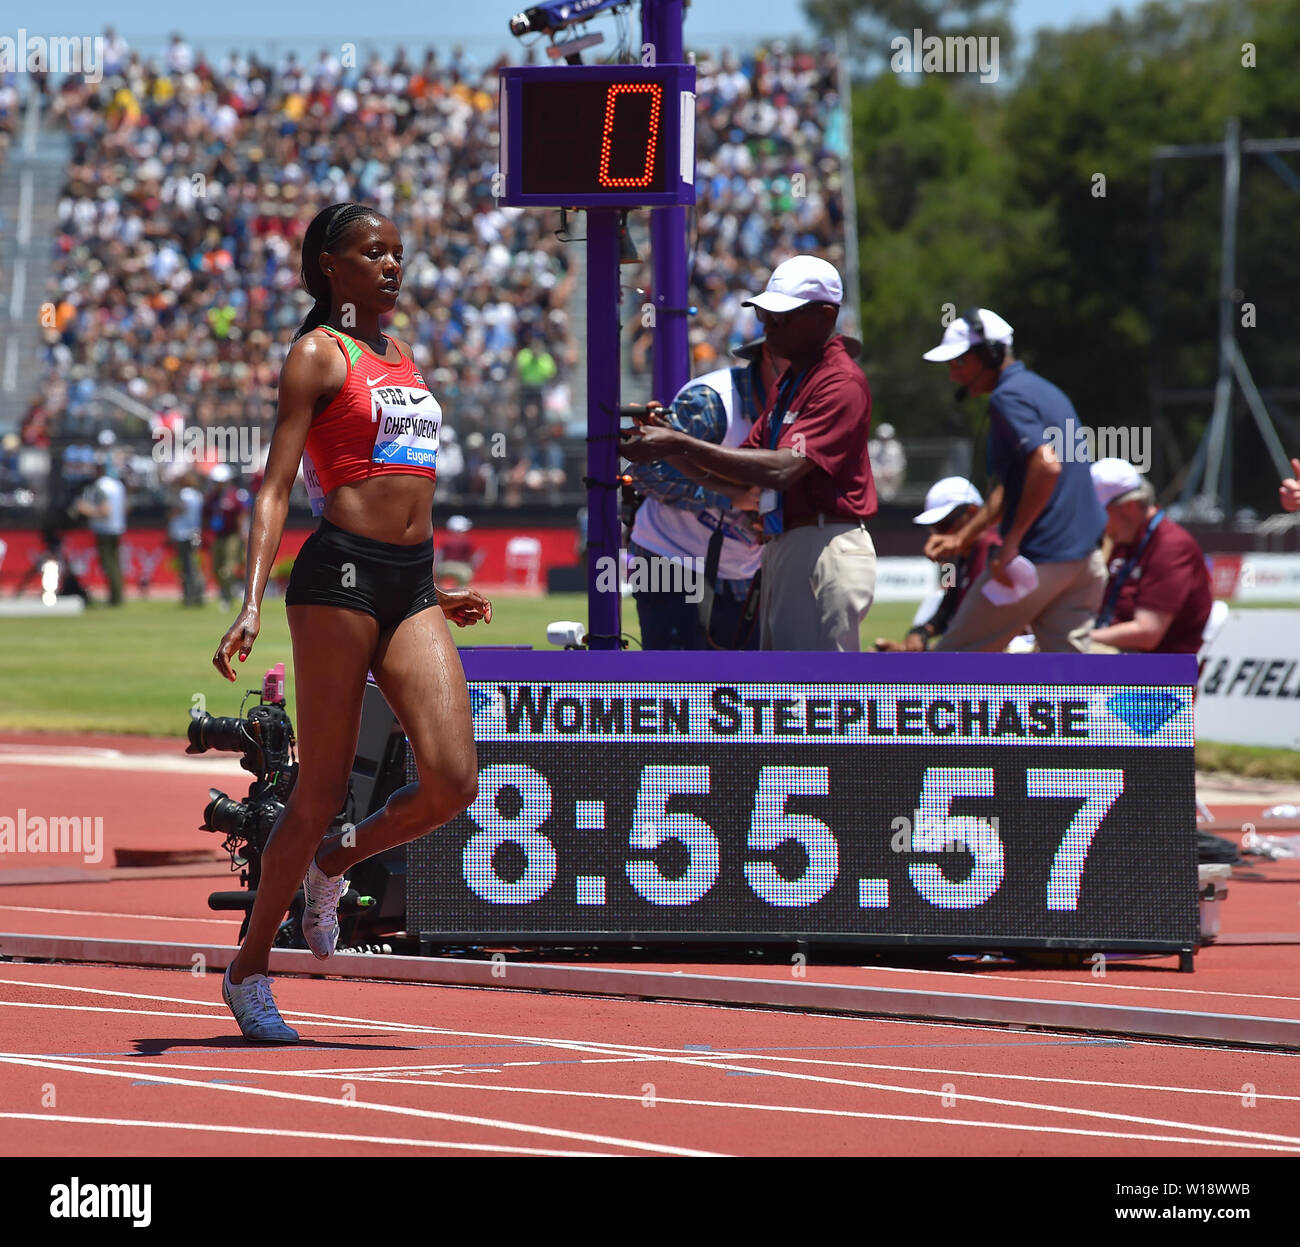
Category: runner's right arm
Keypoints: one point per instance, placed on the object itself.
(313, 372)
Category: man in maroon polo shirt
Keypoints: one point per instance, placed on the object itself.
(807, 455)
(1159, 595)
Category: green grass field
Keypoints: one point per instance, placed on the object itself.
(140, 668)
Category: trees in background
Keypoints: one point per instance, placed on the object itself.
(1031, 196)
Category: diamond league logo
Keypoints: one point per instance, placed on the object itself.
(1144, 710)
(481, 703)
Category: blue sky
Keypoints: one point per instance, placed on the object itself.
(481, 24)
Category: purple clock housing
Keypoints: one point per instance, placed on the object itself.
(597, 136)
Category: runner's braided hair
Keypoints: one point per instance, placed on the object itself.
(326, 230)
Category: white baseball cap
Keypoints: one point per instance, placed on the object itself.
(1115, 480)
(946, 496)
(799, 280)
(960, 336)
(459, 524)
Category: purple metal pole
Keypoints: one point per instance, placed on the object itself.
(604, 535)
(661, 28)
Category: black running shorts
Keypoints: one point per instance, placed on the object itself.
(339, 568)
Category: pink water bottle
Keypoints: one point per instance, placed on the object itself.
(273, 684)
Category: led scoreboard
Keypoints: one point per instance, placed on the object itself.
(960, 800)
(591, 136)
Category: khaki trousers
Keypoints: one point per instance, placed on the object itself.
(1059, 612)
(816, 588)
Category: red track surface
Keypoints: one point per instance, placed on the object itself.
(121, 1060)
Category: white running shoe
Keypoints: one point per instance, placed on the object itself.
(320, 911)
(254, 1009)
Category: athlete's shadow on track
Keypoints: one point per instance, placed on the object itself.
(159, 1046)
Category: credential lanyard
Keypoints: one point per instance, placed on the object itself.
(774, 519)
(1118, 580)
(785, 393)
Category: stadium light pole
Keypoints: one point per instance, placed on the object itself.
(661, 30)
(1208, 486)
(604, 530)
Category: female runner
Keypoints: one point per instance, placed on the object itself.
(361, 596)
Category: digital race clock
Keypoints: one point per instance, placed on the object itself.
(587, 136)
(988, 800)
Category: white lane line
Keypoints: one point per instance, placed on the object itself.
(347, 1076)
(513, 1149)
(1026, 1105)
(111, 760)
(671, 1056)
(390, 1074)
(570, 1045)
(161, 1013)
(419, 1028)
(489, 1123)
(851, 1113)
(104, 913)
(674, 1057)
(1098, 984)
(68, 751)
(597, 1047)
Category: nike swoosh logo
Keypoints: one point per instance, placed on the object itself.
(372, 380)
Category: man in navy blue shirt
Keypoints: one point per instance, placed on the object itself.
(1049, 576)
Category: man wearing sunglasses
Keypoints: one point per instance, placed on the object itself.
(807, 454)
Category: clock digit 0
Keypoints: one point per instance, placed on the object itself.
(655, 91)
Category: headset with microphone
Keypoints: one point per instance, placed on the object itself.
(991, 354)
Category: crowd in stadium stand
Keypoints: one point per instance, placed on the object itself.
(769, 144)
(191, 181)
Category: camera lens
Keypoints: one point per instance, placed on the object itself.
(211, 732)
(225, 814)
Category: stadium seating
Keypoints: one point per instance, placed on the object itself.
(190, 183)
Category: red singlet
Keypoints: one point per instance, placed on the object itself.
(384, 419)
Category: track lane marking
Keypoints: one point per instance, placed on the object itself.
(848, 1114)
(379, 1070)
(674, 1057)
(670, 1057)
(102, 913)
(351, 1105)
(341, 1076)
(293, 1134)
(1099, 985)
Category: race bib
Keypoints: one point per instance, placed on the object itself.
(315, 494)
(407, 421)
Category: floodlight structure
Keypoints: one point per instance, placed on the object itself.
(1207, 490)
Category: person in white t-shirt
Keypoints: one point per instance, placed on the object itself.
(679, 519)
(185, 532)
(105, 505)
